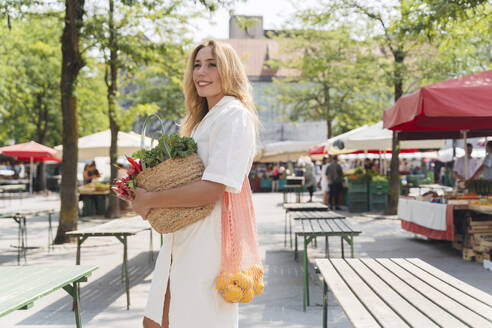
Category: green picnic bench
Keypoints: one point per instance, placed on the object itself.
(402, 292)
(318, 224)
(298, 207)
(22, 285)
(20, 217)
(121, 229)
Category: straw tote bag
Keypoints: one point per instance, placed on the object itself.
(172, 173)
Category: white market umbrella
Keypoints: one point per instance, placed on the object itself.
(375, 137)
(283, 151)
(97, 144)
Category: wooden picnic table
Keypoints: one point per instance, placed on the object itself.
(20, 217)
(299, 207)
(399, 292)
(12, 188)
(295, 185)
(121, 229)
(317, 226)
(22, 285)
(309, 215)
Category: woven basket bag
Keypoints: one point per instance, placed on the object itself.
(170, 174)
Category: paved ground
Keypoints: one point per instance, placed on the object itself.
(103, 296)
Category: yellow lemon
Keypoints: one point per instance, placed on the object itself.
(258, 287)
(232, 293)
(248, 296)
(242, 280)
(256, 271)
(224, 280)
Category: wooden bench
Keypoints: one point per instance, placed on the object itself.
(121, 229)
(22, 285)
(318, 215)
(321, 227)
(294, 185)
(20, 217)
(298, 207)
(402, 293)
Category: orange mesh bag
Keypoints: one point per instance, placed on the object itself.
(241, 272)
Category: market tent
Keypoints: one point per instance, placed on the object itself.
(455, 108)
(283, 151)
(375, 137)
(97, 144)
(371, 139)
(334, 145)
(30, 151)
(444, 109)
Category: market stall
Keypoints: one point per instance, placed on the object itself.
(97, 144)
(30, 152)
(457, 108)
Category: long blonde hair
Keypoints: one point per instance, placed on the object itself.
(234, 82)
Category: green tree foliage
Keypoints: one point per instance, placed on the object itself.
(333, 76)
(133, 38)
(29, 89)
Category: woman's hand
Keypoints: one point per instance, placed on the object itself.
(139, 203)
(127, 195)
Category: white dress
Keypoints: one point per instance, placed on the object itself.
(226, 145)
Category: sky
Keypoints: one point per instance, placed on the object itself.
(274, 12)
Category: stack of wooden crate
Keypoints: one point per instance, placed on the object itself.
(478, 242)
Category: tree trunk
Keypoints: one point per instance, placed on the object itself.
(326, 95)
(72, 62)
(328, 129)
(42, 128)
(113, 210)
(394, 182)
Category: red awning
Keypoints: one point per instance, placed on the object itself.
(24, 152)
(443, 109)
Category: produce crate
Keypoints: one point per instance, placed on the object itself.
(416, 179)
(359, 206)
(378, 187)
(383, 198)
(378, 206)
(357, 186)
(378, 202)
(357, 196)
(266, 185)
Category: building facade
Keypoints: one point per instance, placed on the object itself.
(255, 48)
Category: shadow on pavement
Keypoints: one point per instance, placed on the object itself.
(96, 296)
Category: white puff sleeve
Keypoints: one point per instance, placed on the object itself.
(231, 149)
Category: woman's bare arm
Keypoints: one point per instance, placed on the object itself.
(193, 194)
(190, 195)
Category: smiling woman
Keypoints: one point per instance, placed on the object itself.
(222, 119)
(206, 76)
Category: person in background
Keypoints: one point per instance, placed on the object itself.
(486, 167)
(459, 165)
(87, 178)
(334, 174)
(92, 173)
(309, 178)
(275, 178)
(317, 173)
(324, 180)
(368, 165)
(403, 167)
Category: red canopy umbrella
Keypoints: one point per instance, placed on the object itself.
(444, 110)
(30, 151)
(453, 109)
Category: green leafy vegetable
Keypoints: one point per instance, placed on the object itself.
(168, 147)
